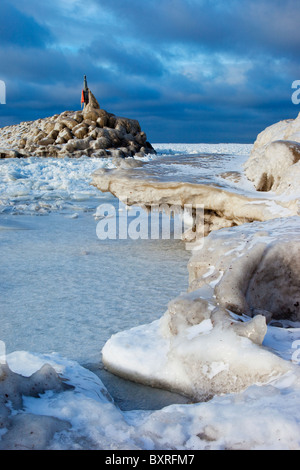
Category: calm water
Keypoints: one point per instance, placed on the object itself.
(64, 290)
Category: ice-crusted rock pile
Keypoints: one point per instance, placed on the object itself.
(91, 132)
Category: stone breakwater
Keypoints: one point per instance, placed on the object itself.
(92, 132)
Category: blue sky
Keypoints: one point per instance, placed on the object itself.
(188, 70)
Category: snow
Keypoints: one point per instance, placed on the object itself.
(109, 278)
(274, 160)
(259, 418)
(38, 185)
(219, 149)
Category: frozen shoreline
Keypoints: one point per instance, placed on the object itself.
(195, 347)
(261, 417)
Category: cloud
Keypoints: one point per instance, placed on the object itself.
(187, 69)
(19, 29)
(245, 26)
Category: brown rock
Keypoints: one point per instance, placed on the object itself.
(60, 140)
(102, 143)
(41, 135)
(102, 121)
(46, 141)
(94, 133)
(53, 134)
(9, 153)
(66, 134)
(59, 126)
(78, 144)
(49, 126)
(69, 122)
(78, 116)
(80, 131)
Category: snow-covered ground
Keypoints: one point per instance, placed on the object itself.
(64, 293)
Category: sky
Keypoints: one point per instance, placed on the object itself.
(190, 71)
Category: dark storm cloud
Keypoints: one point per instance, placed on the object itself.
(189, 70)
(20, 29)
(259, 25)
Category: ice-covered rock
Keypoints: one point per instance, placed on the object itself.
(91, 132)
(85, 418)
(25, 431)
(221, 207)
(211, 339)
(51, 403)
(274, 161)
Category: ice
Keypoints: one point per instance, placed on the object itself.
(274, 161)
(215, 181)
(183, 149)
(62, 282)
(200, 364)
(64, 294)
(39, 186)
(86, 418)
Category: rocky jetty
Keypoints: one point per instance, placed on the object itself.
(91, 132)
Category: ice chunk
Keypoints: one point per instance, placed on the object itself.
(207, 342)
(26, 431)
(274, 161)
